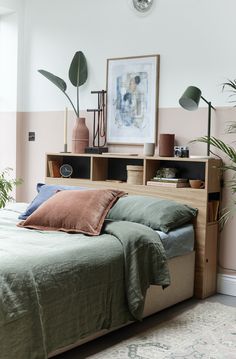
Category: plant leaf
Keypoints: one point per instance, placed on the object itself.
(6, 186)
(226, 214)
(78, 72)
(230, 86)
(60, 83)
(230, 83)
(228, 150)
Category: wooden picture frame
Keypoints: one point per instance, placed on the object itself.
(132, 99)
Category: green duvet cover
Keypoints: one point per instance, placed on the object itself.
(56, 288)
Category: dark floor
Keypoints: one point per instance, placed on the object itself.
(102, 343)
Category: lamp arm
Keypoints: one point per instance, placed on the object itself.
(209, 128)
(208, 102)
(209, 123)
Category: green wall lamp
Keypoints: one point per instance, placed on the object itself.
(190, 100)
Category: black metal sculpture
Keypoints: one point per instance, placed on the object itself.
(99, 124)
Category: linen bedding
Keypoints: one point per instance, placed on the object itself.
(179, 241)
(56, 288)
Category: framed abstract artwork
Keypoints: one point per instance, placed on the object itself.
(132, 99)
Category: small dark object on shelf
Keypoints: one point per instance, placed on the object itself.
(96, 150)
(181, 151)
(66, 170)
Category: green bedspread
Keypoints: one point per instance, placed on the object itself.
(56, 288)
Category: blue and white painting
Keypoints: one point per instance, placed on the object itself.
(131, 100)
(131, 105)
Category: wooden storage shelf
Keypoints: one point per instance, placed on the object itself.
(106, 170)
(68, 181)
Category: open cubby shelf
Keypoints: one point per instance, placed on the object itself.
(106, 167)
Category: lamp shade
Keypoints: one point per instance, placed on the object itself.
(190, 98)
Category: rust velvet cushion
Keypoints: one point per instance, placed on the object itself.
(74, 211)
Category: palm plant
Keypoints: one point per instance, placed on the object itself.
(78, 74)
(230, 86)
(6, 186)
(230, 154)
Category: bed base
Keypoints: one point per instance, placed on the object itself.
(181, 288)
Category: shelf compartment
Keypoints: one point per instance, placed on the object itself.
(107, 168)
(185, 169)
(81, 164)
(117, 167)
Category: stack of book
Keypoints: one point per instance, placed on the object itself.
(54, 169)
(213, 211)
(168, 182)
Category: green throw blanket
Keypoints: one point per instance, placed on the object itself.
(56, 288)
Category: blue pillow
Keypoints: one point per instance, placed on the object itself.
(45, 192)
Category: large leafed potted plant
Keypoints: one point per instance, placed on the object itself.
(78, 74)
(230, 156)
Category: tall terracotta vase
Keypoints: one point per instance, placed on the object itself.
(80, 136)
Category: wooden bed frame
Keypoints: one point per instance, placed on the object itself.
(182, 271)
(99, 168)
(192, 274)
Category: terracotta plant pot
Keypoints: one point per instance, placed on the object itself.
(80, 136)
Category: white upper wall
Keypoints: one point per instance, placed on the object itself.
(8, 62)
(11, 19)
(195, 39)
(4, 10)
(7, 6)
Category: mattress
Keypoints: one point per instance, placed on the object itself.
(178, 242)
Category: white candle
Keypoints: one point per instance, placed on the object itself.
(65, 125)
